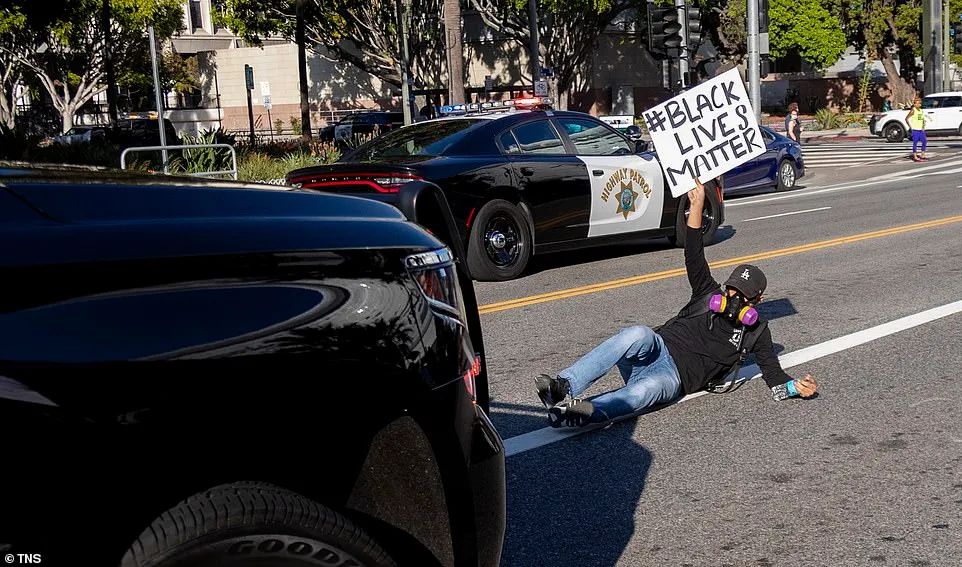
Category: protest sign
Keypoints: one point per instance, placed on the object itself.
(704, 132)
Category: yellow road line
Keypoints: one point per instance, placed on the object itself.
(635, 280)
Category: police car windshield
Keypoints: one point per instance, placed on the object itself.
(425, 139)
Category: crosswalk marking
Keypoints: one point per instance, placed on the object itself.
(860, 153)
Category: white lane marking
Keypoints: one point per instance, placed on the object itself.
(787, 214)
(834, 188)
(541, 437)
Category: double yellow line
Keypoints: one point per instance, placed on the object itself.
(635, 280)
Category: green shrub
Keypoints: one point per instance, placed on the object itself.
(201, 160)
(255, 166)
(278, 126)
(296, 125)
(826, 119)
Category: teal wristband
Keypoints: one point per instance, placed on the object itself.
(791, 388)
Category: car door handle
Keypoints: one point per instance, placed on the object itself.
(527, 171)
(597, 172)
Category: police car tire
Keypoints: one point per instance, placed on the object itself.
(894, 132)
(681, 224)
(240, 523)
(480, 265)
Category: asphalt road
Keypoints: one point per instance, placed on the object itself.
(867, 473)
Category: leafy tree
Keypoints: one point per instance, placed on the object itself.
(803, 26)
(14, 38)
(67, 52)
(568, 29)
(878, 27)
(364, 34)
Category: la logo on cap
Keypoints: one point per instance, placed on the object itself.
(745, 275)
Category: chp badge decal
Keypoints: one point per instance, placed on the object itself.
(628, 180)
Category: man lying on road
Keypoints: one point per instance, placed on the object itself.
(708, 339)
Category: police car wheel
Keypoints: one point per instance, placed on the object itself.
(500, 244)
(709, 220)
(247, 523)
(894, 133)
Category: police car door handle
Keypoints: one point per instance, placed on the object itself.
(527, 171)
(597, 172)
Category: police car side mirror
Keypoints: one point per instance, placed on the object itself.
(641, 146)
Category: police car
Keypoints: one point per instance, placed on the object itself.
(521, 179)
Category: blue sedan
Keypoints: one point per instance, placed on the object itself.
(780, 167)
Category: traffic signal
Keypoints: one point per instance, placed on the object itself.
(764, 66)
(694, 26)
(956, 33)
(664, 30)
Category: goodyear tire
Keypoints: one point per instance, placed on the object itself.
(241, 524)
(499, 245)
(709, 222)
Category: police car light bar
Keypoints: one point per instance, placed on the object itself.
(495, 106)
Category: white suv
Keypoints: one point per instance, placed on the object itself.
(943, 117)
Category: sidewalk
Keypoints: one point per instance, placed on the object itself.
(837, 135)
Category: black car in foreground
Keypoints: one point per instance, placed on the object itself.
(211, 373)
(521, 182)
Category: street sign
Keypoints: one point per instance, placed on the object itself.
(541, 88)
(265, 88)
(249, 76)
(267, 101)
(488, 83)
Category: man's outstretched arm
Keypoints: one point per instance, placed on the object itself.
(699, 275)
(782, 385)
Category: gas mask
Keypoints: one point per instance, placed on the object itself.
(735, 308)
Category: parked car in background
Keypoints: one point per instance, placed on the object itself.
(361, 124)
(943, 115)
(82, 135)
(216, 373)
(780, 167)
(142, 130)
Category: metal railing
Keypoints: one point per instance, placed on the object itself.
(233, 154)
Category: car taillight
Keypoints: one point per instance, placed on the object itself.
(435, 274)
(380, 182)
(469, 377)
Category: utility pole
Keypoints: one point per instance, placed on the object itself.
(403, 7)
(932, 44)
(533, 47)
(157, 97)
(683, 48)
(110, 75)
(452, 29)
(754, 80)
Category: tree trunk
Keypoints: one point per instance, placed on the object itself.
(902, 91)
(452, 31)
(306, 133)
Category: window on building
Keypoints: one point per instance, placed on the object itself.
(196, 15)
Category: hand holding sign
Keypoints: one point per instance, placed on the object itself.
(704, 132)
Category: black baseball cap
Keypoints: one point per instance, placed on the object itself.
(748, 280)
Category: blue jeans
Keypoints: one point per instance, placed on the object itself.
(647, 368)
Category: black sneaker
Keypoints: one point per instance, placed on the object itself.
(576, 413)
(552, 391)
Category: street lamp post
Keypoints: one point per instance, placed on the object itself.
(157, 97)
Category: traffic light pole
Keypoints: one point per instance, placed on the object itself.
(754, 80)
(946, 47)
(683, 48)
